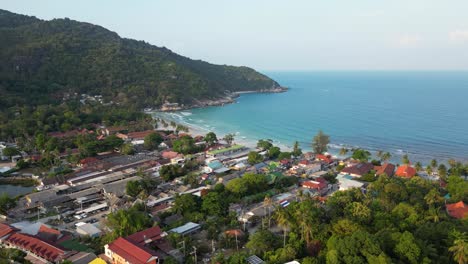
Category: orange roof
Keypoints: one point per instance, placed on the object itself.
(387, 169)
(140, 134)
(234, 232)
(169, 154)
(48, 230)
(132, 252)
(6, 230)
(457, 210)
(405, 171)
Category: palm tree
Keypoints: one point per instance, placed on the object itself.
(229, 138)
(418, 166)
(343, 151)
(433, 214)
(283, 219)
(429, 169)
(434, 163)
(267, 204)
(452, 163)
(386, 156)
(460, 249)
(379, 154)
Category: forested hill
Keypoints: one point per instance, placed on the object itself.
(41, 61)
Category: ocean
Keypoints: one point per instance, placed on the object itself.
(422, 114)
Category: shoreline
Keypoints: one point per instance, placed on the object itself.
(228, 99)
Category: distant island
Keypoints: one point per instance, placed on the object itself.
(47, 62)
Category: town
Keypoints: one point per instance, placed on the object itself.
(162, 195)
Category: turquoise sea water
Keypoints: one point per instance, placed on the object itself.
(424, 114)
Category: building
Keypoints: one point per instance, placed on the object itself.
(406, 171)
(225, 151)
(88, 229)
(387, 169)
(37, 247)
(147, 236)
(186, 229)
(457, 210)
(320, 185)
(358, 170)
(123, 251)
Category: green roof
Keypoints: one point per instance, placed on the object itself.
(231, 148)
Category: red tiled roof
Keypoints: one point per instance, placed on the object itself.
(146, 236)
(327, 158)
(387, 169)
(234, 232)
(140, 134)
(358, 169)
(169, 154)
(48, 230)
(319, 183)
(304, 162)
(88, 160)
(6, 230)
(457, 210)
(284, 161)
(130, 252)
(37, 246)
(405, 171)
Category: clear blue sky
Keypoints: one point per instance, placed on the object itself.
(285, 35)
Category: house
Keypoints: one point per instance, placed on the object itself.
(186, 229)
(303, 163)
(225, 151)
(48, 234)
(320, 185)
(327, 159)
(146, 236)
(457, 210)
(170, 155)
(123, 251)
(6, 230)
(346, 182)
(358, 170)
(82, 258)
(387, 169)
(406, 171)
(36, 246)
(88, 229)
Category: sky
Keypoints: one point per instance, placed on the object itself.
(291, 35)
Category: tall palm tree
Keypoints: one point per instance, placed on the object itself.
(267, 202)
(429, 169)
(460, 249)
(343, 151)
(434, 163)
(283, 219)
(379, 154)
(418, 166)
(386, 156)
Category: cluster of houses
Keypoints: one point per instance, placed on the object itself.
(96, 187)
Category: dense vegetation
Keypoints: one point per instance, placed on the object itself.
(43, 61)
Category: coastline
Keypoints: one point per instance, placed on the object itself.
(228, 99)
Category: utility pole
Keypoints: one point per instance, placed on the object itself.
(213, 246)
(183, 245)
(194, 252)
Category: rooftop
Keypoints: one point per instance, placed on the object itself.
(457, 210)
(130, 252)
(220, 151)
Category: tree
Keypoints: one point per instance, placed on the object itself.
(6, 203)
(229, 138)
(434, 163)
(405, 159)
(127, 149)
(172, 171)
(442, 171)
(262, 241)
(320, 142)
(343, 151)
(10, 152)
(273, 152)
(407, 248)
(237, 186)
(133, 188)
(187, 203)
(379, 154)
(361, 155)
(185, 145)
(214, 205)
(284, 155)
(127, 222)
(386, 156)
(283, 219)
(418, 166)
(254, 158)
(297, 151)
(211, 138)
(459, 248)
(152, 141)
(429, 169)
(264, 144)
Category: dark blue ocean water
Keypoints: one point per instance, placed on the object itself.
(424, 114)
